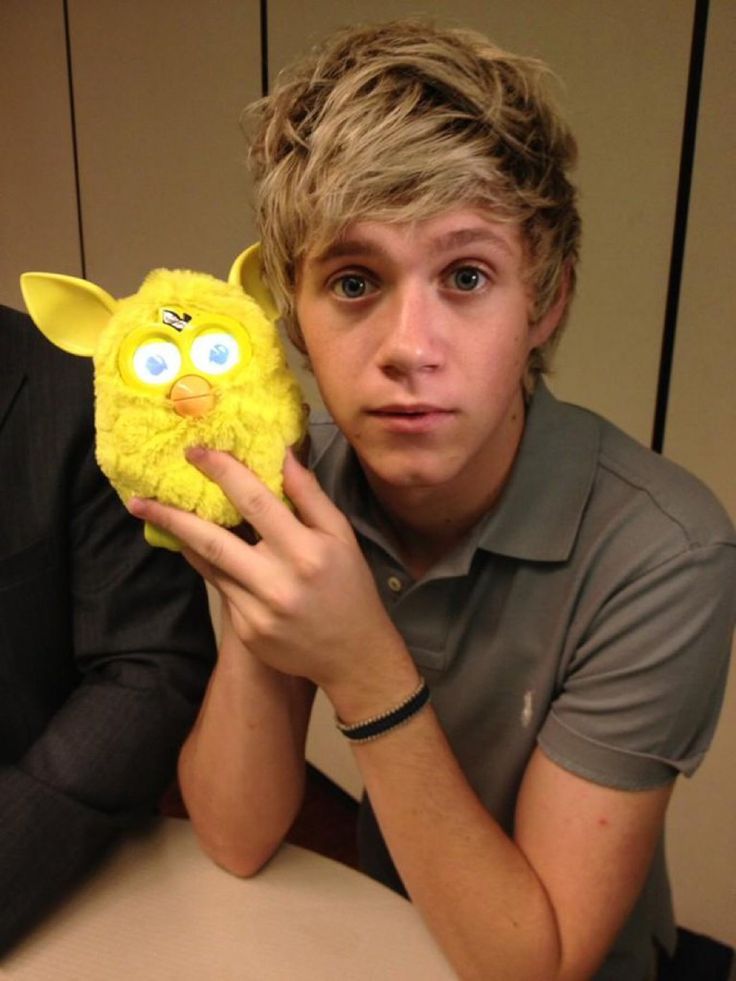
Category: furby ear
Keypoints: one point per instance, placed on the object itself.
(247, 271)
(71, 312)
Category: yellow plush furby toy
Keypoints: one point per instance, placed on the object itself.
(188, 360)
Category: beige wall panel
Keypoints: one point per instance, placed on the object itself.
(625, 80)
(701, 835)
(701, 434)
(38, 211)
(159, 88)
(701, 421)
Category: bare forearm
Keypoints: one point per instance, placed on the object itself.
(242, 768)
(479, 895)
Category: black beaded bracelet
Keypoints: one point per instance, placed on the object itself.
(361, 732)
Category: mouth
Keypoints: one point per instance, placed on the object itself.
(413, 418)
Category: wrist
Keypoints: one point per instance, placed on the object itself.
(238, 668)
(385, 685)
(385, 722)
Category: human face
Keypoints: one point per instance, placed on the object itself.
(418, 335)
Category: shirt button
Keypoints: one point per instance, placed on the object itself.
(395, 584)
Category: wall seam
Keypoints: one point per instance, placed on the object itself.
(75, 151)
(679, 233)
(264, 47)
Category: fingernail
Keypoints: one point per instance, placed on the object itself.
(136, 506)
(195, 453)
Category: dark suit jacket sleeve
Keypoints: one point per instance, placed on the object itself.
(98, 725)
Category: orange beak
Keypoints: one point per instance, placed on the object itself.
(192, 396)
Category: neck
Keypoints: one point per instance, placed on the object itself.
(427, 522)
(422, 549)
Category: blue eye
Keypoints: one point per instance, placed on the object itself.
(215, 352)
(157, 362)
(467, 278)
(352, 286)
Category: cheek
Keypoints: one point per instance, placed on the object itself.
(330, 371)
(336, 352)
(499, 355)
(324, 358)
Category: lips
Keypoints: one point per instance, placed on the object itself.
(411, 418)
(411, 409)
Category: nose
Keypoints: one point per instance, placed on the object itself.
(412, 341)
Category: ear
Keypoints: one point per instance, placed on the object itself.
(247, 271)
(71, 312)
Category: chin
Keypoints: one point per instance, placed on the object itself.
(405, 474)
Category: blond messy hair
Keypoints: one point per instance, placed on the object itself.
(398, 122)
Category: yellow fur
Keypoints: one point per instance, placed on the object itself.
(257, 415)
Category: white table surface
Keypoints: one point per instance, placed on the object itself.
(160, 910)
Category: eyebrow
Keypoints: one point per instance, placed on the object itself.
(343, 247)
(457, 238)
(469, 236)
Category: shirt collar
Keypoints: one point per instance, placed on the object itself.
(538, 514)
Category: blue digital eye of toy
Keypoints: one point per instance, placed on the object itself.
(219, 354)
(215, 352)
(157, 362)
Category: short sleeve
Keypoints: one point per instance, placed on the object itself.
(641, 697)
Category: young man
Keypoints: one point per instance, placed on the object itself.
(105, 643)
(566, 595)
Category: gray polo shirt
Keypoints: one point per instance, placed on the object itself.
(590, 612)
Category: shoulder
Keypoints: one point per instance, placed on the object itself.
(13, 325)
(47, 414)
(620, 489)
(637, 488)
(58, 378)
(580, 486)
